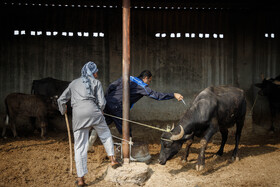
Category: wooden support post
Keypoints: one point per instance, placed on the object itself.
(125, 78)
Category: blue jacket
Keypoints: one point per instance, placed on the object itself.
(138, 89)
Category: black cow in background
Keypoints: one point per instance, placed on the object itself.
(19, 105)
(214, 109)
(270, 87)
(50, 87)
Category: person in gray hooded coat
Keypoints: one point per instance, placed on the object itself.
(87, 100)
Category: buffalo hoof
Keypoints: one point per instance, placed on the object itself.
(199, 167)
(235, 159)
(216, 156)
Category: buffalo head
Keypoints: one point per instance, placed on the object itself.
(52, 105)
(268, 86)
(171, 143)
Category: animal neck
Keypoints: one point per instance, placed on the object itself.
(187, 122)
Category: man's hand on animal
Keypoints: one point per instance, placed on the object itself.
(178, 96)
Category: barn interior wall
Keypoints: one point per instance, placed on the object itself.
(181, 64)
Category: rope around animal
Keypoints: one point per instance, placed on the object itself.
(129, 142)
(149, 126)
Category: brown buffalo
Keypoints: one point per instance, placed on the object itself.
(26, 105)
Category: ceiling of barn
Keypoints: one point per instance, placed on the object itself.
(154, 4)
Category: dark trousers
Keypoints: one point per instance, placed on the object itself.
(115, 110)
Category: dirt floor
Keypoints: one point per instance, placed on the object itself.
(31, 161)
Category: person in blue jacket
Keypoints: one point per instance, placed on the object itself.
(139, 87)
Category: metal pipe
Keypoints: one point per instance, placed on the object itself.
(125, 77)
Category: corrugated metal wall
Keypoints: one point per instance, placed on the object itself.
(180, 64)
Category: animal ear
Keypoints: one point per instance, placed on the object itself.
(259, 85)
(188, 136)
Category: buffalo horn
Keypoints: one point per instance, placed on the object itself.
(172, 126)
(178, 136)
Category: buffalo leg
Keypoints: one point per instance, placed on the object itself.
(13, 126)
(33, 122)
(4, 131)
(239, 126)
(43, 129)
(224, 133)
(273, 114)
(5, 125)
(203, 143)
(189, 143)
(272, 126)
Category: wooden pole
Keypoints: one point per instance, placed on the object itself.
(125, 78)
(70, 143)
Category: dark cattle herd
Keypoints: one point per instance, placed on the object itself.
(270, 87)
(39, 106)
(214, 109)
